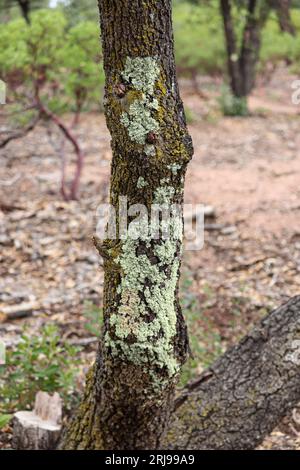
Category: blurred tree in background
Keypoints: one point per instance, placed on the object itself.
(10, 8)
(49, 68)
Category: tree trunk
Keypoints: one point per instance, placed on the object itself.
(242, 62)
(246, 393)
(25, 9)
(284, 17)
(236, 81)
(129, 396)
(257, 15)
(130, 389)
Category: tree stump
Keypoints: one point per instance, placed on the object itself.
(38, 429)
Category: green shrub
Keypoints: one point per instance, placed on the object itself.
(66, 63)
(199, 40)
(232, 105)
(278, 46)
(41, 362)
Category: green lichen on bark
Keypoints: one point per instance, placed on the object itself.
(174, 167)
(140, 74)
(141, 183)
(143, 328)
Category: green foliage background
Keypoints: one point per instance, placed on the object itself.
(61, 46)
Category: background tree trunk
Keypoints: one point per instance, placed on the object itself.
(25, 9)
(242, 61)
(232, 50)
(284, 17)
(246, 393)
(130, 389)
(257, 16)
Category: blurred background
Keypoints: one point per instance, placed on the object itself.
(240, 86)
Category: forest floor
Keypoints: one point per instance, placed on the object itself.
(247, 169)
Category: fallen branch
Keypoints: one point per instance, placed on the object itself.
(245, 393)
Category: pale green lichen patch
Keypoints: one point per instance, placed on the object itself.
(149, 150)
(141, 183)
(144, 326)
(175, 167)
(141, 74)
(164, 194)
(138, 121)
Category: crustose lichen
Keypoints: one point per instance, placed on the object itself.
(141, 73)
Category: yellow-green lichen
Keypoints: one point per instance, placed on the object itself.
(164, 194)
(149, 150)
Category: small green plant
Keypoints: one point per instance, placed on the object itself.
(93, 316)
(232, 105)
(4, 420)
(41, 362)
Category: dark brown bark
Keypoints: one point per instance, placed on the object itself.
(130, 392)
(246, 393)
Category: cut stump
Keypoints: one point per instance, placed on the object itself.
(38, 429)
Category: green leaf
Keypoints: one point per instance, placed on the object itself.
(4, 420)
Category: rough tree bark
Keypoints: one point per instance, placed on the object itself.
(130, 390)
(245, 394)
(129, 397)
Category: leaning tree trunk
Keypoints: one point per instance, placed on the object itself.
(130, 390)
(245, 394)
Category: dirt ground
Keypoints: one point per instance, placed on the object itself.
(247, 169)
